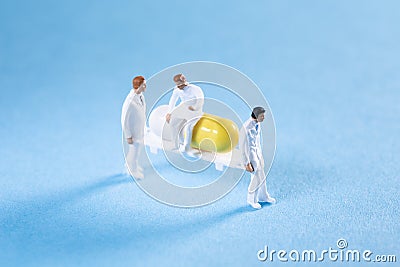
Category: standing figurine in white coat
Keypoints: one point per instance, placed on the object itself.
(184, 117)
(133, 119)
(253, 159)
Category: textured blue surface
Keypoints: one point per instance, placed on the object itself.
(329, 69)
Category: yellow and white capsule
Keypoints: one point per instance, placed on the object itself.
(211, 133)
(215, 134)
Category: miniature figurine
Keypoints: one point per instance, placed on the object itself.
(133, 121)
(187, 113)
(254, 161)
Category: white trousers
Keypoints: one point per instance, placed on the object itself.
(182, 122)
(132, 156)
(257, 190)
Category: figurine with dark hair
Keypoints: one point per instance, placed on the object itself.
(133, 119)
(253, 159)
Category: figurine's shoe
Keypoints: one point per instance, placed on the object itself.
(256, 206)
(140, 169)
(137, 174)
(269, 200)
(192, 153)
(180, 149)
(176, 150)
(173, 147)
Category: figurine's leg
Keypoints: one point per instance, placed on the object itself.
(175, 131)
(130, 157)
(182, 132)
(255, 177)
(262, 194)
(251, 197)
(139, 148)
(188, 137)
(133, 159)
(252, 189)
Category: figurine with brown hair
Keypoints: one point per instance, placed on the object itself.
(183, 117)
(133, 119)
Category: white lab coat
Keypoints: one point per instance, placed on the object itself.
(133, 116)
(191, 95)
(250, 145)
(133, 120)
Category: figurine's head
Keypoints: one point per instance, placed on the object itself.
(139, 84)
(180, 81)
(258, 114)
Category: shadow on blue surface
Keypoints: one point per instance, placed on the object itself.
(34, 220)
(53, 225)
(63, 197)
(55, 201)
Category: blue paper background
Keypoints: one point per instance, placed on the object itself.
(329, 69)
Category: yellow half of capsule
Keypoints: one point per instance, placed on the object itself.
(215, 134)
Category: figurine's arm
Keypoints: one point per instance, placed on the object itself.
(252, 140)
(246, 147)
(172, 100)
(126, 129)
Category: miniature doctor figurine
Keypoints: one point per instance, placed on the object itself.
(254, 161)
(186, 114)
(133, 119)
